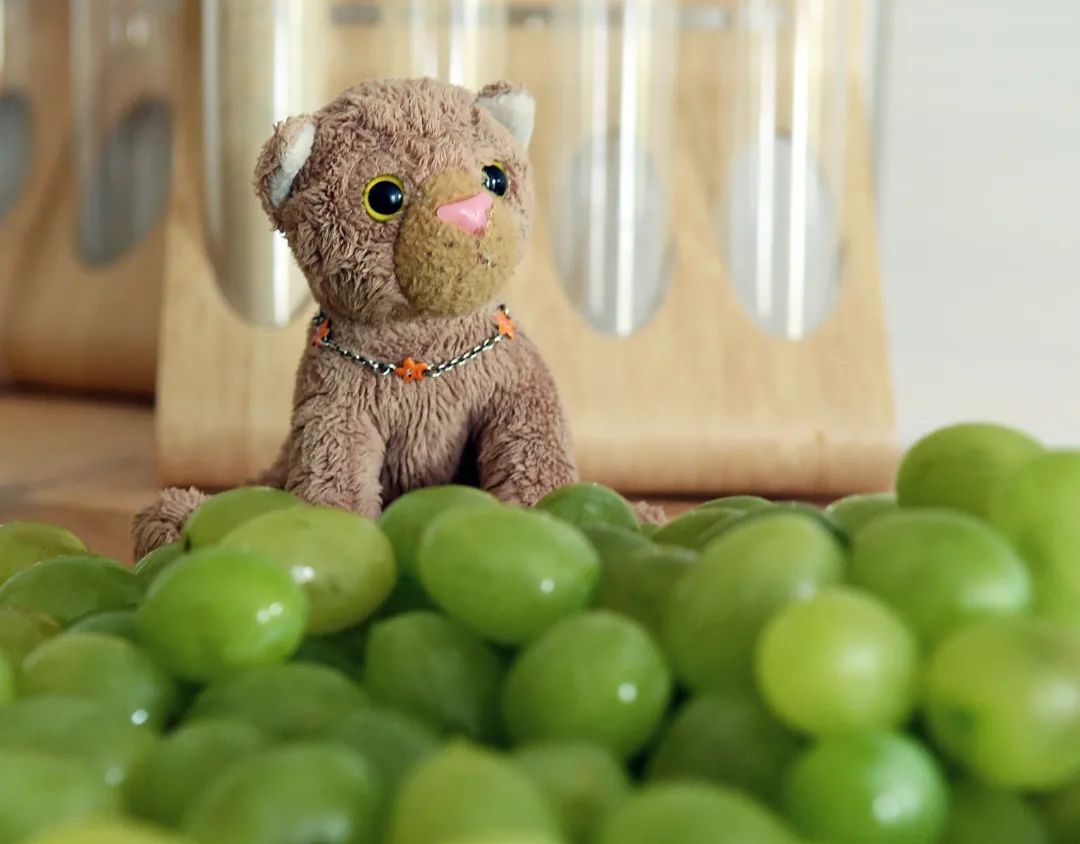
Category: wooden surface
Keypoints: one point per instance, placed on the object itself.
(87, 465)
(82, 464)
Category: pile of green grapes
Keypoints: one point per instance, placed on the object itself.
(887, 670)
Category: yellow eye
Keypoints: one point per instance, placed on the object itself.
(384, 197)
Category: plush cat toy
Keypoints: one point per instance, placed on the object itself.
(407, 204)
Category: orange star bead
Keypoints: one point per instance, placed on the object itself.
(411, 370)
(506, 325)
(321, 333)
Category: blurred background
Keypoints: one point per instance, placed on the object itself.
(977, 180)
(810, 230)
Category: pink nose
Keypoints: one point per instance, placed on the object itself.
(470, 215)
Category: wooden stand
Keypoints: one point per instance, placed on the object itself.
(224, 385)
(68, 323)
(700, 400)
(43, 86)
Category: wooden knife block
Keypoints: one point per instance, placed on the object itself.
(40, 84)
(68, 322)
(699, 401)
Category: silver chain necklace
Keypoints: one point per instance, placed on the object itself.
(410, 370)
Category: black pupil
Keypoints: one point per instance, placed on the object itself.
(495, 180)
(385, 198)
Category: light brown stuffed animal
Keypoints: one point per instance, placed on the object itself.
(407, 204)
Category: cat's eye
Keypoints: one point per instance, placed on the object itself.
(384, 197)
(496, 179)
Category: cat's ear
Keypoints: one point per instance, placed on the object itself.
(282, 157)
(512, 106)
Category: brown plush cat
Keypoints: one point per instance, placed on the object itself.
(407, 204)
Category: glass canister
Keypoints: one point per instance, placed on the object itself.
(781, 152)
(123, 60)
(458, 41)
(609, 197)
(263, 60)
(16, 135)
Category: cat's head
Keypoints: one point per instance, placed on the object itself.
(404, 198)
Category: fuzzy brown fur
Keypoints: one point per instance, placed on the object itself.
(413, 286)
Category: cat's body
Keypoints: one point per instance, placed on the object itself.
(407, 203)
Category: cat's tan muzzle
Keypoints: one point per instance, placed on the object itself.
(457, 247)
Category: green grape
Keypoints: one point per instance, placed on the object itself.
(69, 588)
(94, 733)
(840, 660)
(746, 503)
(304, 792)
(696, 528)
(103, 668)
(113, 622)
(21, 632)
(855, 788)
(7, 681)
(392, 742)
(434, 669)
(22, 544)
(154, 563)
(513, 838)
(331, 652)
(38, 790)
(353, 641)
(582, 783)
(343, 651)
(507, 574)
(174, 773)
(106, 832)
(290, 701)
(222, 513)
(729, 738)
(1059, 811)
(639, 585)
(463, 794)
(692, 813)
(979, 814)
(1004, 699)
(648, 529)
(613, 543)
(342, 561)
(408, 595)
(596, 677)
(406, 519)
(1036, 509)
(939, 569)
(810, 511)
(857, 511)
(584, 504)
(715, 612)
(221, 610)
(959, 466)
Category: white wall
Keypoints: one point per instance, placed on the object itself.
(979, 178)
